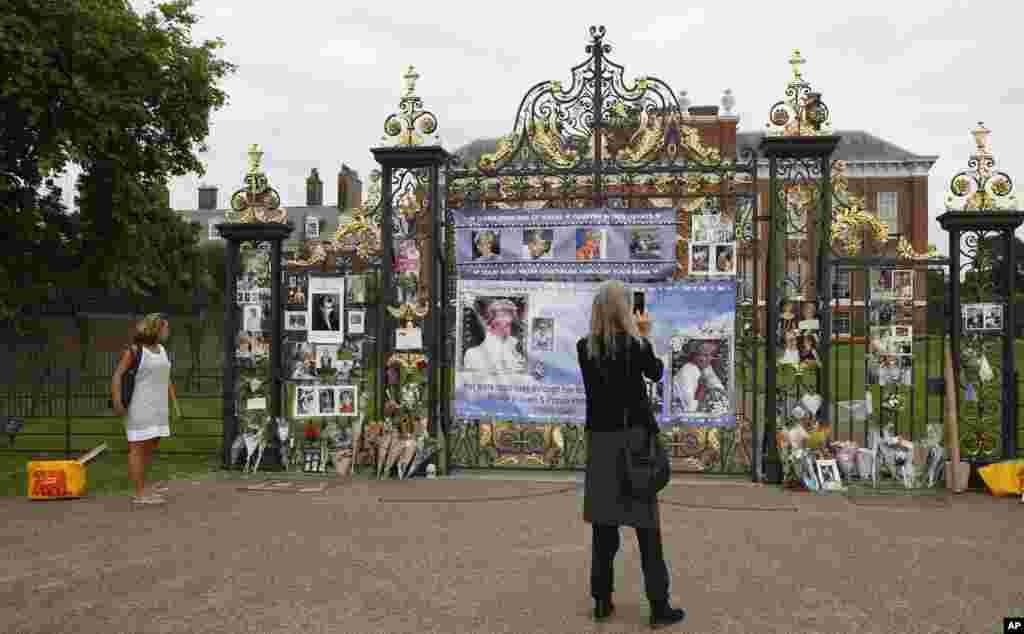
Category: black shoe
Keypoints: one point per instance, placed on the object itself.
(663, 614)
(603, 608)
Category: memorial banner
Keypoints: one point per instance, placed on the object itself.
(516, 350)
(577, 244)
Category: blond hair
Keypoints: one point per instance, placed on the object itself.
(612, 315)
(148, 329)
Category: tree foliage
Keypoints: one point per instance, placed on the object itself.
(86, 81)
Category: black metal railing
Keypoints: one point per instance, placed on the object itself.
(70, 414)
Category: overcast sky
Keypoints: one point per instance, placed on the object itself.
(317, 79)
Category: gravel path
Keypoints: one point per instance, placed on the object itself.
(466, 555)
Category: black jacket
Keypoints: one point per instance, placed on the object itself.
(609, 390)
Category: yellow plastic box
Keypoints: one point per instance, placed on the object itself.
(55, 479)
(1004, 478)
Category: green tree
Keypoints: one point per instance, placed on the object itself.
(87, 81)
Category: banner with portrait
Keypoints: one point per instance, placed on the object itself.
(516, 354)
(581, 244)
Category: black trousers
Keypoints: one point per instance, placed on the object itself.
(652, 562)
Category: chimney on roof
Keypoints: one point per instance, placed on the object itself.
(350, 188)
(207, 197)
(314, 190)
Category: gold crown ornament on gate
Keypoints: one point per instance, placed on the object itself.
(258, 202)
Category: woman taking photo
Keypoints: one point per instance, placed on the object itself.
(614, 358)
(148, 416)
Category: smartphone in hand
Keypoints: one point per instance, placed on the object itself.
(639, 303)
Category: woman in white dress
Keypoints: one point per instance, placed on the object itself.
(147, 418)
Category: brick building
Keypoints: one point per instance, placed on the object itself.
(312, 221)
(892, 181)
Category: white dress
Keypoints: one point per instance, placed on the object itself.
(149, 412)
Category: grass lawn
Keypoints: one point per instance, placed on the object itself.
(199, 433)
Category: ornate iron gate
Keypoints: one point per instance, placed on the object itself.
(594, 142)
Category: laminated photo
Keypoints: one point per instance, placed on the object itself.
(993, 316)
(486, 245)
(347, 401)
(591, 244)
(307, 402)
(253, 317)
(538, 244)
(644, 244)
(494, 334)
(408, 260)
(327, 357)
(356, 322)
(300, 360)
(356, 289)
(701, 374)
(700, 259)
(326, 309)
(725, 259)
(296, 320)
(974, 317)
(542, 334)
(326, 395)
(295, 294)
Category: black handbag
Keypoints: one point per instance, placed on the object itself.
(647, 469)
(128, 382)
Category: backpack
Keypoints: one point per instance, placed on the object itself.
(128, 381)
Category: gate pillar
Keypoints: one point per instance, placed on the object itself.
(411, 145)
(982, 217)
(260, 220)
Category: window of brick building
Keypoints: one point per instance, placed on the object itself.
(840, 284)
(841, 324)
(888, 210)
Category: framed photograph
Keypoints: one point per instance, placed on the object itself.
(701, 228)
(494, 332)
(644, 244)
(542, 334)
(538, 244)
(409, 338)
(326, 308)
(348, 404)
(356, 322)
(486, 244)
(828, 475)
(725, 259)
(700, 259)
(591, 244)
(296, 320)
(295, 294)
(307, 403)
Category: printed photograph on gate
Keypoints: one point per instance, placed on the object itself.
(516, 350)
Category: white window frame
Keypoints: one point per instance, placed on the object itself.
(836, 274)
(212, 232)
(839, 317)
(312, 227)
(889, 215)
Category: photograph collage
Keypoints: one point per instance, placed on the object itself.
(324, 323)
(798, 333)
(538, 243)
(712, 248)
(890, 356)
